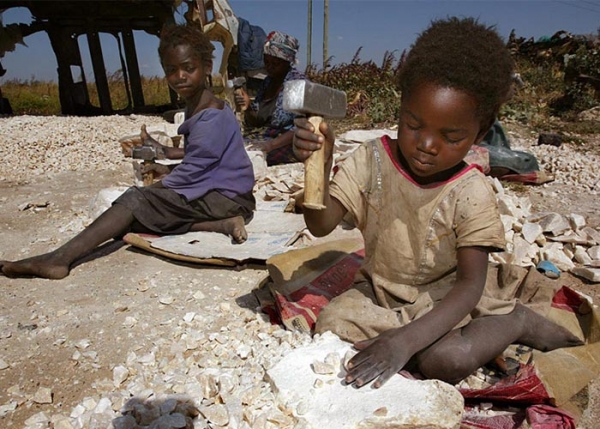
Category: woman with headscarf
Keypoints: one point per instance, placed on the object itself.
(270, 125)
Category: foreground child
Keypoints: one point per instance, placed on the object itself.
(211, 190)
(428, 220)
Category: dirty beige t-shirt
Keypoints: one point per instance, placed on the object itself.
(412, 232)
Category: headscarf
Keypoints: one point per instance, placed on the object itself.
(282, 46)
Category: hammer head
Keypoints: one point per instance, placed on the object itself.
(146, 153)
(236, 82)
(308, 98)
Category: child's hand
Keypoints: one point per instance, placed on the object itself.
(157, 169)
(379, 358)
(147, 140)
(241, 98)
(305, 140)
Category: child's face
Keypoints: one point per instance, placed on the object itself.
(185, 72)
(437, 128)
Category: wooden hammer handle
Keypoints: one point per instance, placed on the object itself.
(314, 172)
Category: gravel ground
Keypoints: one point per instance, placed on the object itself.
(74, 352)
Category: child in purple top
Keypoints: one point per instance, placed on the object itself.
(211, 190)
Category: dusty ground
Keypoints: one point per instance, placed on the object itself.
(46, 326)
(43, 321)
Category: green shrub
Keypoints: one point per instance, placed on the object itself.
(371, 90)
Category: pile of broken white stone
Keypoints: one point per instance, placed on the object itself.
(564, 240)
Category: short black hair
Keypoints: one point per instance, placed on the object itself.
(465, 55)
(186, 34)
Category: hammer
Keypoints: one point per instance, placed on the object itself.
(316, 101)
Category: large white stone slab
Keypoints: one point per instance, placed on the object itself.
(328, 403)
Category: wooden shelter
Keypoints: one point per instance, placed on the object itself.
(65, 20)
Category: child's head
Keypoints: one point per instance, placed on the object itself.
(186, 34)
(464, 55)
(186, 57)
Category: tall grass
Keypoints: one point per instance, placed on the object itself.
(36, 97)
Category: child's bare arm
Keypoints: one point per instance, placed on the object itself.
(383, 356)
(305, 142)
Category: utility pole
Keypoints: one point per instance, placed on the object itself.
(325, 31)
(309, 38)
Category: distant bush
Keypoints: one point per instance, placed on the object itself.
(370, 89)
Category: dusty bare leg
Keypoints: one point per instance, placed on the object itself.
(462, 351)
(233, 226)
(56, 264)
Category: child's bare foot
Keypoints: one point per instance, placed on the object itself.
(45, 266)
(233, 226)
(236, 227)
(543, 334)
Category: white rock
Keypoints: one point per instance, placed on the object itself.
(508, 221)
(83, 344)
(216, 414)
(507, 206)
(322, 368)
(43, 396)
(130, 322)
(523, 252)
(3, 364)
(591, 274)
(571, 237)
(582, 256)
(554, 223)
(554, 253)
(166, 299)
(37, 419)
(592, 234)
(428, 403)
(61, 422)
(531, 231)
(577, 221)
(8, 407)
(594, 252)
(120, 374)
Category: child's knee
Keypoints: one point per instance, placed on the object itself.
(445, 364)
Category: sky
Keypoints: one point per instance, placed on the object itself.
(376, 26)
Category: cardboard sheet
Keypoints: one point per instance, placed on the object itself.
(269, 233)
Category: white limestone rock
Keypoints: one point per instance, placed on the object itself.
(531, 231)
(523, 252)
(594, 252)
(554, 253)
(408, 403)
(582, 256)
(507, 206)
(571, 237)
(577, 221)
(554, 223)
(592, 234)
(43, 396)
(591, 274)
(508, 221)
